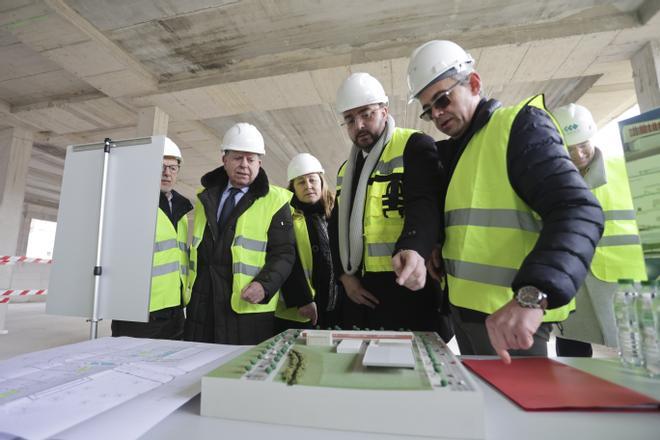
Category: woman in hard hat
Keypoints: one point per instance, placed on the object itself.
(309, 296)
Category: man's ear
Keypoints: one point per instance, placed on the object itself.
(475, 83)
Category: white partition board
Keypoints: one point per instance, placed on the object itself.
(129, 227)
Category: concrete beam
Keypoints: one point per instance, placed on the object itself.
(152, 121)
(59, 33)
(75, 116)
(649, 12)
(576, 93)
(13, 120)
(646, 73)
(336, 56)
(90, 136)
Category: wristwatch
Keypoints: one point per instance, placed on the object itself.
(530, 297)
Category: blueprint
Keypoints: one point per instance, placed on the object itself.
(44, 393)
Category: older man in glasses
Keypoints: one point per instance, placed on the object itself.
(386, 204)
(170, 266)
(520, 224)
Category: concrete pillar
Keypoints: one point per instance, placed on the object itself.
(646, 73)
(24, 233)
(152, 121)
(15, 151)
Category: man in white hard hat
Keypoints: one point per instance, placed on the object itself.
(386, 205)
(242, 248)
(170, 266)
(520, 225)
(619, 252)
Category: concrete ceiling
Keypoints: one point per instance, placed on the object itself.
(77, 71)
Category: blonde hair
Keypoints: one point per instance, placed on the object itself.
(327, 198)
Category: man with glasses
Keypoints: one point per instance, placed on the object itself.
(520, 225)
(386, 205)
(170, 265)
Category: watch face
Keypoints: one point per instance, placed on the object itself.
(529, 296)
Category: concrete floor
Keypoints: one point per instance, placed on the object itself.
(31, 329)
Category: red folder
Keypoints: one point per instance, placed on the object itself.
(541, 384)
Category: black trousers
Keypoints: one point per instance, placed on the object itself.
(571, 348)
(163, 324)
(399, 307)
(472, 338)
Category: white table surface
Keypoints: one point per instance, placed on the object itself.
(504, 420)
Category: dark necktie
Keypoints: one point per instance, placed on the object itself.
(227, 208)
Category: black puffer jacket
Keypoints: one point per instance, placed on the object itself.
(210, 317)
(543, 176)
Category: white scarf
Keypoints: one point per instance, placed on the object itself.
(351, 212)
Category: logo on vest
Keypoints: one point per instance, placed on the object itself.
(393, 198)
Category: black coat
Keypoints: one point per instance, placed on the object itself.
(400, 307)
(210, 317)
(543, 176)
(295, 291)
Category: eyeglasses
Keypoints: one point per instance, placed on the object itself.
(440, 102)
(173, 168)
(366, 115)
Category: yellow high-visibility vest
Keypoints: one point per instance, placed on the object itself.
(619, 252)
(170, 264)
(248, 249)
(489, 229)
(304, 249)
(383, 205)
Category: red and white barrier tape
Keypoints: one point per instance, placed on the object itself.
(5, 295)
(7, 259)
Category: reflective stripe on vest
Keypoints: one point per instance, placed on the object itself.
(248, 249)
(383, 204)
(489, 230)
(253, 245)
(304, 254)
(498, 218)
(619, 253)
(170, 263)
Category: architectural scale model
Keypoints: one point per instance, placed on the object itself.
(375, 381)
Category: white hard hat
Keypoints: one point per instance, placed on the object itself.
(301, 164)
(576, 123)
(243, 137)
(172, 149)
(433, 61)
(358, 90)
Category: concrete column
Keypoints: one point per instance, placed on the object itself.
(152, 121)
(24, 233)
(15, 151)
(646, 73)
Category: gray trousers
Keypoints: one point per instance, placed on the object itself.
(593, 319)
(472, 338)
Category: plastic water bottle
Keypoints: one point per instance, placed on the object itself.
(649, 319)
(625, 312)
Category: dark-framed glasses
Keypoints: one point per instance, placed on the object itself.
(365, 115)
(440, 102)
(171, 168)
